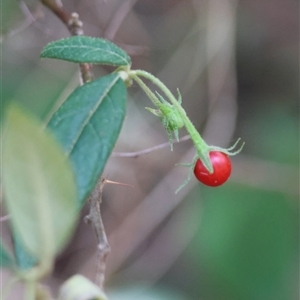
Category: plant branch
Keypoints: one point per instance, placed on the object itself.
(94, 217)
(74, 25)
(4, 218)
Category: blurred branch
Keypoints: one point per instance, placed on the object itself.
(74, 24)
(222, 82)
(165, 249)
(30, 18)
(135, 50)
(267, 175)
(149, 150)
(115, 23)
(4, 218)
(154, 208)
(118, 18)
(145, 217)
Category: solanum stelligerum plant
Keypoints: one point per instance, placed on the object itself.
(82, 123)
(64, 162)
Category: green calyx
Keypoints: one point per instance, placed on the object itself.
(204, 157)
(229, 151)
(169, 116)
(203, 153)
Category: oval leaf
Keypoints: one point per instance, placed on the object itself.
(84, 49)
(88, 124)
(6, 259)
(39, 187)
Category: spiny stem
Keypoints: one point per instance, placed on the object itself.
(95, 218)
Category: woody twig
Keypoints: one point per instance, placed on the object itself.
(94, 218)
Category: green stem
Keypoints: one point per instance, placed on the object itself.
(148, 92)
(201, 146)
(160, 84)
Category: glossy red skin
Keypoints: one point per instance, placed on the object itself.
(222, 169)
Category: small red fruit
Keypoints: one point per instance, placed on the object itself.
(222, 169)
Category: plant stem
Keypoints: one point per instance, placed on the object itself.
(148, 92)
(94, 217)
(201, 146)
(160, 84)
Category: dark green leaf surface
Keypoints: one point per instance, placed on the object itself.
(88, 124)
(38, 183)
(84, 49)
(5, 258)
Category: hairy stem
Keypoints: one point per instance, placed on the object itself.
(148, 92)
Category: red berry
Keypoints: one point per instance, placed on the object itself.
(221, 166)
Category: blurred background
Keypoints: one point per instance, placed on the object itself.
(236, 64)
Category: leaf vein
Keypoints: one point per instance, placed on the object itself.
(90, 115)
(61, 49)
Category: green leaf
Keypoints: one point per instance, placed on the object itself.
(25, 260)
(88, 124)
(80, 288)
(84, 49)
(38, 184)
(6, 259)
